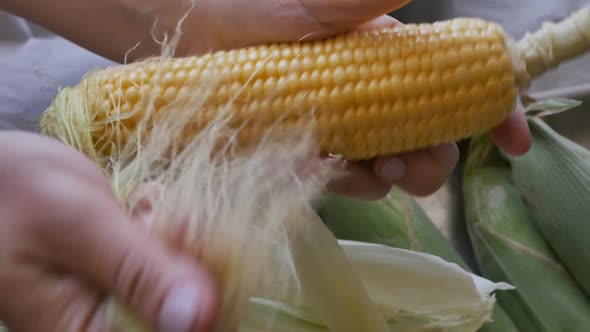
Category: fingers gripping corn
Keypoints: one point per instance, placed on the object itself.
(366, 93)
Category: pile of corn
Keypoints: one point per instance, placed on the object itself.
(526, 217)
(236, 143)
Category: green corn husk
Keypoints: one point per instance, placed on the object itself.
(414, 291)
(509, 247)
(340, 285)
(397, 221)
(554, 179)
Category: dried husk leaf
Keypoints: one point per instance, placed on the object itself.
(250, 222)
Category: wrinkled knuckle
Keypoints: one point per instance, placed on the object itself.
(136, 282)
(129, 275)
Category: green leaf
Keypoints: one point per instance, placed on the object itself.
(509, 246)
(551, 106)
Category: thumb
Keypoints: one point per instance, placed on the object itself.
(163, 288)
(264, 21)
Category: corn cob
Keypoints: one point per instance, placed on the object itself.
(363, 94)
(397, 221)
(509, 247)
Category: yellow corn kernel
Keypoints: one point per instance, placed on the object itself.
(370, 93)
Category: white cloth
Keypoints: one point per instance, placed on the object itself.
(35, 63)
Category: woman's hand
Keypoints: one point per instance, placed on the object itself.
(65, 242)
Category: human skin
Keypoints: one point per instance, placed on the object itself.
(64, 240)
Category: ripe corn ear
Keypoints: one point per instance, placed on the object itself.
(397, 221)
(364, 94)
(509, 247)
(554, 179)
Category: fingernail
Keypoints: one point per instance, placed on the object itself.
(180, 309)
(393, 170)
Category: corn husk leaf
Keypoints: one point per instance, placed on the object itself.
(407, 290)
(398, 221)
(327, 278)
(554, 179)
(552, 106)
(501, 322)
(509, 247)
(414, 292)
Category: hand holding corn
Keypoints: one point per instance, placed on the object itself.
(437, 163)
(420, 170)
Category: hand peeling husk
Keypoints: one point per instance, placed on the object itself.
(509, 246)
